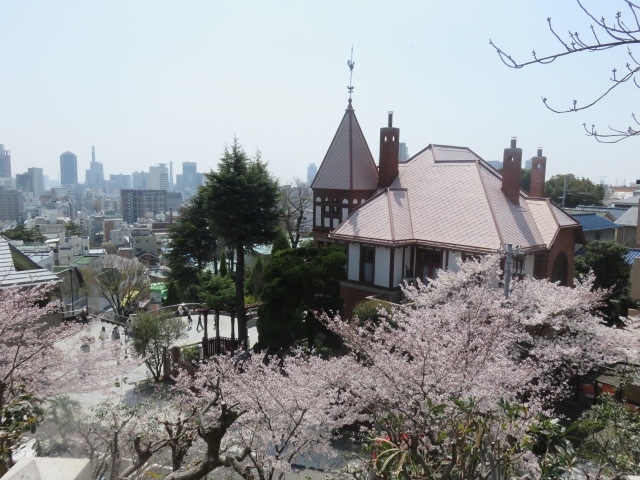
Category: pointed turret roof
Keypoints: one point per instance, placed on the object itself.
(348, 164)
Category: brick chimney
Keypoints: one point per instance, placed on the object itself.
(538, 168)
(389, 150)
(511, 166)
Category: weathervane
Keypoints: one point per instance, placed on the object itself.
(351, 64)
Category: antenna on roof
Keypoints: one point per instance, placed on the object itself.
(351, 64)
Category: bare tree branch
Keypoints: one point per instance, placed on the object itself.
(619, 34)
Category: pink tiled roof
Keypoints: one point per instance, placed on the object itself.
(348, 164)
(449, 196)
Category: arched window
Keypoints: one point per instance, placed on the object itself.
(560, 267)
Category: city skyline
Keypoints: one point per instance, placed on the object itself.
(178, 82)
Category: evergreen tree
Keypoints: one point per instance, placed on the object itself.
(281, 242)
(224, 270)
(27, 235)
(242, 201)
(569, 191)
(192, 244)
(299, 283)
(255, 282)
(607, 261)
(72, 228)
(173, 294)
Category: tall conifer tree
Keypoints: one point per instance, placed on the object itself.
(242, 201)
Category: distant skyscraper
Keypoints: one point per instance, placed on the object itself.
(190, 179)
(95, 174)
(311, 173)
(122, 181)
(140, 180)
(68, 169)
(403, 152)
(32, 181)
(5, 162)
(159, 177)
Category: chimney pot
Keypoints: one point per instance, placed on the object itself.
(514, 140)
(539, 151)
(390, 121)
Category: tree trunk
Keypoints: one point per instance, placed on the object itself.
(240, 310)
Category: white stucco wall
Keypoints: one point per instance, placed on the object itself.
(382, 264)
(353, 269)
(397, 267)
(453, 261)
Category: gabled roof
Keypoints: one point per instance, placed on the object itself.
(592, 221)
(348, 164)
(449, 196)
(615, 212)
(629, 218)
(17, 269)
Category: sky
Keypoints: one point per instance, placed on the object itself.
(159, 81)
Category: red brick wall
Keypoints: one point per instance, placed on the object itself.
(565, 243)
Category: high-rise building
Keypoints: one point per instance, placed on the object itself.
(5, 162)
(311, 173)
(159, 177)
(10, 203)
(95, 175)
(121, 181)
(190, 179)
(137, 203)
(68, 169)
(32, 181)
(38, 181)
(140, 180)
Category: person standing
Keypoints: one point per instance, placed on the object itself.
(83, 316)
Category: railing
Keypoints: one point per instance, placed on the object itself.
(219, 346)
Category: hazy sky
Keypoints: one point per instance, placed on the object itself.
(154, 81)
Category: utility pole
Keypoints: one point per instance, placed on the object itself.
(509, 252)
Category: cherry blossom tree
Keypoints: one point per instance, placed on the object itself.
(256, 418)
(40, 357)
(455, 381)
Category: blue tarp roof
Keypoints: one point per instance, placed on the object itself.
(616, 212)
(632, 255)
(591, 221)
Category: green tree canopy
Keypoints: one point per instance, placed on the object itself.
(298, 283)
(27, 235)
(242, 202)
(153, 335)
(281, 242)
(73, 228)
(193, 244)
(217, 291)
(607, 261)
(569, 191)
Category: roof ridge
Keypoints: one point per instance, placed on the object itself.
(390, 209)
(491, 208)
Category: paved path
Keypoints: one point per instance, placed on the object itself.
(127, 392)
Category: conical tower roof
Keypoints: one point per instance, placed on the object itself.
(348, 164)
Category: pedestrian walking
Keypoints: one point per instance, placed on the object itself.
(200, 327)
(189, 323)
(83, 316)
(115, 334)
